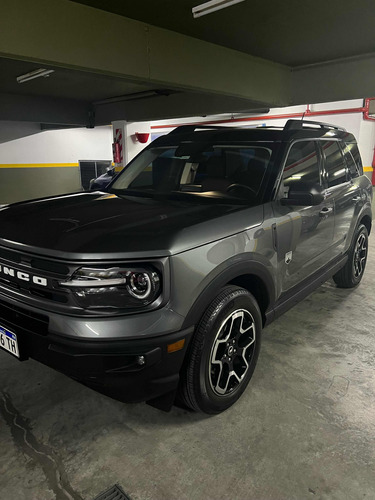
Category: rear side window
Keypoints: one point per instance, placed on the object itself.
(336, 170)
(302, 163)
(353, 169)
(353, 158)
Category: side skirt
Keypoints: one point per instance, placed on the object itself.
(299, 292)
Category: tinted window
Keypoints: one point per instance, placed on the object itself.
(212, 170)
(162, 173)
(354, 152)
(335, 165)
(302, 164)
(352, 166)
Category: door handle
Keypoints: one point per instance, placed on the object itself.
(356, 198)
(325, 211)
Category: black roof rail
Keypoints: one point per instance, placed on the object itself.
(278, 127)
(184, 129)
(299, 125)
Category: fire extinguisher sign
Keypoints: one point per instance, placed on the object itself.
(117, 147)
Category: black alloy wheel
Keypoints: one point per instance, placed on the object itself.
(231, 352)
(223, 352)
(351, 274)
(360, 256)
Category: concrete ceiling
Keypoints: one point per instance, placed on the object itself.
(152, 60)
(64, 83)
(291, 32)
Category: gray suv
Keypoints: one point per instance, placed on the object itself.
(157, 289)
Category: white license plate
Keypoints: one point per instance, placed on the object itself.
(8, 341)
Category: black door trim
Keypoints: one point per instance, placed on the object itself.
(290, 298)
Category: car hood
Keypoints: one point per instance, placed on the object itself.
(101, 225)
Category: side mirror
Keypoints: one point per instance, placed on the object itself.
(303, 194)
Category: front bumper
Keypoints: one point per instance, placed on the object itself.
(108, 365)
(113, 367)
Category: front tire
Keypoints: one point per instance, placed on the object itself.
(223, 352)
(351, 274)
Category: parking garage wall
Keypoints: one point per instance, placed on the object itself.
(47, 163)
(353, 121)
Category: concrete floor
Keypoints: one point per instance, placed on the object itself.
(304, 429)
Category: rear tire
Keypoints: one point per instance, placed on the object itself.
(351, 274)
(223, 352)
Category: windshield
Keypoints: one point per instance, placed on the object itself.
(197, 169)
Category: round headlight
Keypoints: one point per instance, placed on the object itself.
(139, 285)
(114, 287)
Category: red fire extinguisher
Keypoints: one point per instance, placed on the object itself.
(116, 150)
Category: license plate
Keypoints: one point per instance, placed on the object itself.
(8, 341)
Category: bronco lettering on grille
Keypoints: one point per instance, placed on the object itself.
(8, 271)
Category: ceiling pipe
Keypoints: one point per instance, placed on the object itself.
(307, 112)
(366, 112)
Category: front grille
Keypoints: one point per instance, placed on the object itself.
(9, 255)
(27, 265)
(52, 267)
(19, 318)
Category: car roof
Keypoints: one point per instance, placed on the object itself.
(293, 130)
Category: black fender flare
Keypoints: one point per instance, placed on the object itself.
(365, 212)
(232, 269)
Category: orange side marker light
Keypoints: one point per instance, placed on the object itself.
(176, 346)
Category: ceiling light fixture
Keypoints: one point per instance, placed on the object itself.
(34, 74)
(212, 6)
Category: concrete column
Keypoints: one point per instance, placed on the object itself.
(133, 146)
(125, 134)
(119, 136)
(366, 144)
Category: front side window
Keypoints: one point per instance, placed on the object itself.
(336, 171)
(208, 170)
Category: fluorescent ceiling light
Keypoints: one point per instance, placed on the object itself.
(34, 74)
(212, 6)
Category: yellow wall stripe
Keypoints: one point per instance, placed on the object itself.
(38, 165)
(367, 169)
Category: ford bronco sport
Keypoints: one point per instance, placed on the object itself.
(159, 287)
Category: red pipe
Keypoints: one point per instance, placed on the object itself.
(366, 114)
(364, 110)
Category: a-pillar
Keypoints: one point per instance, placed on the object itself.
(129, 137)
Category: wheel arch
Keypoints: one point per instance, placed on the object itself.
(367, 222)
(257, 287)
(252, 276)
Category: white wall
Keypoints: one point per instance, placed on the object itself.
(46, 163)
(364, 131)
(134, 147)
(59, 146)
(366, 141)
(129, 143)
